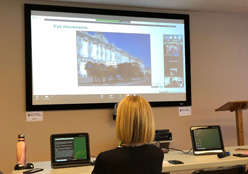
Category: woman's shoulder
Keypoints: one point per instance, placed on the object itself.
(154, 147)
(108, 152)
(146, 148)
(143, 148)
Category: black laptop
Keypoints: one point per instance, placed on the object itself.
(70, 150)
(207, 139)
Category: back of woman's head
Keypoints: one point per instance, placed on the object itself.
(134, 121)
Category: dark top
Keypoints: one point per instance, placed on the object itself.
(145, 159)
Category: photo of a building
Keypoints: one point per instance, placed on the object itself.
(113, 58)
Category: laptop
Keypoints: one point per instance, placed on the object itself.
(206, 140)
(69, 150)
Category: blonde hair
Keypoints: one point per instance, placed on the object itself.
(134, 121)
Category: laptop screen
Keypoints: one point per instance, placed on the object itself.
(206, 139)
(70, 150)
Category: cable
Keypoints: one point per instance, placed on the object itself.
(157, 143)
(181, 150)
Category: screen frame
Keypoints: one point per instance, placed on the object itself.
(210, 150)
(55, 164)
(28, 55)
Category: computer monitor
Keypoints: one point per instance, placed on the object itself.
(206, 139)
(70, 150)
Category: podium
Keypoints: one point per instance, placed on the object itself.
(236, 106)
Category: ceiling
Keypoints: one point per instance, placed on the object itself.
(213, 6)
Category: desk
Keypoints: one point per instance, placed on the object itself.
(191, 162)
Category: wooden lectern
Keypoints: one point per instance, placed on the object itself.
(236, 106)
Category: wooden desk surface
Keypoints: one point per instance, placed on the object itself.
(191, 162)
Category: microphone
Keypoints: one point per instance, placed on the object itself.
(223, 154)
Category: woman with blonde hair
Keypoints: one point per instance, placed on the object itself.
(136, 130)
